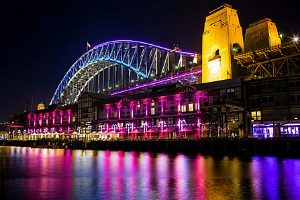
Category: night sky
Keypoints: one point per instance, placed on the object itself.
(41, 39)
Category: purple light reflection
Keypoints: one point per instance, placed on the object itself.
(68, 174)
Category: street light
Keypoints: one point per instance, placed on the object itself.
(281, 35)
(101, 127)
(114, 127)
(180, 125)
(296, 39)
(128, 125)
(162, 125)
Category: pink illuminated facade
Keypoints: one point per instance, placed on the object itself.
(52, 120)
(175, 113)
(168, 112)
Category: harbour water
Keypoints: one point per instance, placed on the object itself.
(35, 173)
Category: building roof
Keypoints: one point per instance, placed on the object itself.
(219, 84)
(165, 90)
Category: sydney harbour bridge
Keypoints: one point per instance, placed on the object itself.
(124, 65)
(121, 66)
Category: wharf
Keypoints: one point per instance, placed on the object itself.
(212, 146)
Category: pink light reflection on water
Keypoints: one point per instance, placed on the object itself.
(199, 178)
(162, 172)
(38, 164)
(182, 176)
(145, 172)
(76, 174)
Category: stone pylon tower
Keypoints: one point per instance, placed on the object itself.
(222, 38)
(261, 35)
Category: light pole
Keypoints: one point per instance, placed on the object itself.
(101, 127)
(180, 125)
(128, 125)
(162, 125)
(145, 126)
(114, 126)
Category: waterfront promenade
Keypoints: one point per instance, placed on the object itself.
(211, 146)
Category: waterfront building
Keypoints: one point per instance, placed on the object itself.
(133, 89)
(174, 111)
(274, 106)
(55, 121)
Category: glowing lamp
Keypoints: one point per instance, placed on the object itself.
(296, 39)
(281, 35)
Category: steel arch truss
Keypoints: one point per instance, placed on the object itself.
(267, 63)
(117, 65)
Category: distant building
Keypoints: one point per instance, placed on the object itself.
(274, 106)
(133, 89)
(41, 106)
(54, 119)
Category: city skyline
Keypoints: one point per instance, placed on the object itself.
(42, 40)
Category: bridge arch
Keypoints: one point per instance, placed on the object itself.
(119, 64)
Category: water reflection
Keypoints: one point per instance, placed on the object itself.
(64, 174)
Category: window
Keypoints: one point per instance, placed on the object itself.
(233, 117)
(183, 108)
(152, 111)
(236, 48)
(230, 91)
(152, 103)
(256, 115)
(191, 107)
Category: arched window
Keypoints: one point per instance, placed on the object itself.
(236, 49)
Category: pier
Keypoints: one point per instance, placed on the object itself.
(210, 146)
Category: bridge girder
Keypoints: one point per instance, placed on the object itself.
(267, 63)
(117, 65)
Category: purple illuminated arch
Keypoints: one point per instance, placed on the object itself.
(122, 53)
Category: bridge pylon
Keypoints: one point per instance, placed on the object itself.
(222, 38)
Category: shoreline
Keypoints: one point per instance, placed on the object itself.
(281, 147)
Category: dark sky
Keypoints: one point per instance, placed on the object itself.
(41, 39)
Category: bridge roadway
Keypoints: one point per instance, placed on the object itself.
(122, 64)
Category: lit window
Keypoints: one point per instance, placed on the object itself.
(152, 103)
(191, 107)
(183, 108)
(230, 90)
(152, 111)
(256, 115)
